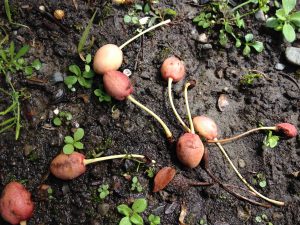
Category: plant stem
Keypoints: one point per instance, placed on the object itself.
(145, 31)
(104, 158)
(240, 135)
(188, 107)
(278, 203)
(240, 5)
(249, 13)
(166, 129)
(24, 222)
(170, 80)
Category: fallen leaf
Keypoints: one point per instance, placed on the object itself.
(183, 214)
(163, 178)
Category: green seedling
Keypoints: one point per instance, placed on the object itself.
(248, 79)
(102, 95)
(259, 5)
(83, 78)
(263, 218)
(286, 20)
(154, 220)
(62, 117)
(202, 221)
(50, 193)
(132, 215)
(9, 16)
(150, 172)
(103, 191)
(73, 142)
(271, 140)
(250, 43)
(204, 20)
(260, 179)
(136, 185)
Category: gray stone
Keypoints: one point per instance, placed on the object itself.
(279, 66)
(57, 77)
(292, 54)
(241, 163)
(207, 46)
(103, 209)
(202, 38)
(259, 15)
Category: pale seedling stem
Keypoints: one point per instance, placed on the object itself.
(188, 107)
(123, 156)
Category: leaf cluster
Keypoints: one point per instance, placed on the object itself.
(101, 94)
(286, 20)
(61, 117)
(249, 78)
(72, 143)
(103, 191)
(136, 185)
(271, 140)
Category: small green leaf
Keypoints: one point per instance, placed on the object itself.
(138, 7)
(288, 5)
(146, 8)
(249, 37)
(69, 140)
(3, 55)
(102, 195)
(228, 28)
(78, 135)
(139, 205)
(57, 121)
(136, 219)
(125, 221)
(36, 64)
(258, 46)
(289, 32)
(22, 51)
(263, 184)
(87, 68)
(88, 58)
(238, 43)
(124, 210)
(127, 19)
(89, 74)
(295, 19)
(78, 145)
(170, 12)
(272, 22)
(70, 80)
(135, 20)
(12, 50)
(81, 81)
(68, 149)
(75, 69)
(28, 70)
(258, 219)
(280, 13)
(246, 50)
(134, 180)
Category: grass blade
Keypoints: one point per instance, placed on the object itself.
(7, 11)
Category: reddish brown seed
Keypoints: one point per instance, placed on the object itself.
(15, 203)
(206, 127)
(173, 68)
(68, 167)
(163, 178)
(190, 150)
(117, 85)
(289, 130)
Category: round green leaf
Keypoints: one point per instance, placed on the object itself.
(289, 32)
(263, 183)
(288, 5)
(36, 64)
(69, 140)
(124, 210)
(295, 19)
(78, 145)
(28, 70)
(88, 58)
(70, 80)
(139, 205)
(246, 50)
(78, 135)
(135, 20)
(68, 149)
(249, 37)
(81, 81)
(125, 221)
(127, 19)
(75, 69)
(258, 46)
(57, 121)
(136, 219)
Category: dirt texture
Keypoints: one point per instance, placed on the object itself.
(269, 100)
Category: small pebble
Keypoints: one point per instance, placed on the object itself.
(65, 189)
(279, 66)
(127, 72)
(207, 46)
(103, 209)
(259, 15)
(241, 163)
(56, 111)
(292, 54)
(170, 208)
(57, 77)
(203, 38)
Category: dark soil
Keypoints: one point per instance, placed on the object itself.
(217, 71)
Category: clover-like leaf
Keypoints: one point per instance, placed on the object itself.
(124, 210)
(68, 149)
(78, 135)
(125, 221)
(258, 46)
(288, 5)
(75, 69)
(289, 32)
(69, 140)
(78, 145)
(139, 205)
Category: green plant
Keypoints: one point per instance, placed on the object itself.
(132, 214)
(136, 185)
(8, 14)
(249, 42)
(50, 193)
(103, 191)
(263, 218)
(202, 221)
(10, 63)
(83, 78)
(260, 179)
(271, 140)
(249, 78)
(154, 220)
(61, 117)
(150, 172)
(73, 142)
(102, 95)
(286, 20)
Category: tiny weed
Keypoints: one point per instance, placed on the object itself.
(73, 142)
(136, 185)
(50, 193)
(132, 214)
(249, 42)
(271, 140)
(263, 218)
(286, 20)
(102, 95)
(150, 172)
(103, 191)
(249, 78)
(62, 117)
(83, 78)
(260, 179)
(154, 220)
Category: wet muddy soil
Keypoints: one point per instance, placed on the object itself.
(120, 127)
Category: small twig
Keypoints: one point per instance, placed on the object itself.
(291, 79)
(75, 4)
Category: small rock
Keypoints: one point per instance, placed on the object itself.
(207, 46)
(277, 216)
(170, 208)
(202, 38)
(57, 77)
(259, 15)
(241, 163)
(221, 223)
(158, 210)
(116, 114)
(292, 54)
(279, 66)
(223, 102)
(65, 189)
(220, 73)
(103, 209)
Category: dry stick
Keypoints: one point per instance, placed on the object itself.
(145, 31)
(170, 80)
(241, 197)
(166, 129)
(188, 107)
(24, 222)
(240, 135)
(275, 202)
(123, 156)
